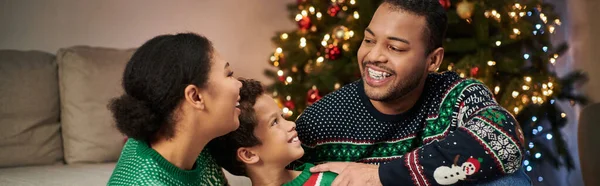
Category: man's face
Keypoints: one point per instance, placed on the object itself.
(392, 57)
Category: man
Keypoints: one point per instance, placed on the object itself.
(402, 122)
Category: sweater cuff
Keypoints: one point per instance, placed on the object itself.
(394, 173)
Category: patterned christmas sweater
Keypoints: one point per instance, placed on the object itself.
(141, 165)
(456, 133)
(306, 178)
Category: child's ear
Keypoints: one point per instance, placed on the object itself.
(247, 155)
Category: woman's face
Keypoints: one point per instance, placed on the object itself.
(223, 97)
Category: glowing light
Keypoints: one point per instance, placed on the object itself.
(284, 36)
(356, 16)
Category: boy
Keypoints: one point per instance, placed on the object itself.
(264, 144)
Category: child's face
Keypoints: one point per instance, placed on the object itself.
(280, 144)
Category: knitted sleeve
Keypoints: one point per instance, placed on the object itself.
(477, 141)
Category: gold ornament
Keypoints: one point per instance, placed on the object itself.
(464, 9)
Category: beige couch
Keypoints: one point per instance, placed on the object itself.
(55, 128)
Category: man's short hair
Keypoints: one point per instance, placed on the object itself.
(435, 15)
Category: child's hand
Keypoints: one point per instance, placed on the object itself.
(351, 173)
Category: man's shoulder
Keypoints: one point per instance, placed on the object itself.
(347, 95)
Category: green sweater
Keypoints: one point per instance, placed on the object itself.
(306, 178)
(141, 165)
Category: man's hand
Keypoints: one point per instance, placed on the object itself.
(351, 174)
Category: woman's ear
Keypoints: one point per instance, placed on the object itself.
(247, 155)
(194, 97)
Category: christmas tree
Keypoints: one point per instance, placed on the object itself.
(503, 43)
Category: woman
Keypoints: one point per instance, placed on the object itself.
(179, 94)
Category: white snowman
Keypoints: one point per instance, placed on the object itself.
(445, 175)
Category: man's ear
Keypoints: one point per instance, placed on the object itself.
(434, 60)
(247, 155)
(194, 97)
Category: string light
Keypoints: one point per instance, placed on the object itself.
(557, 21)
(550, 84)
(516, 31)
(533, 118)
(552, 61)
(275, 94)
(531, 146)
(513, 14)
(543, 17)
(288, 98)
(273, 59)
(320, 59)
(280, 73)
(352, 2)
(337, 86)
(528, 79)
(516, 109)
(515, 94)
(298, 17)
(304, 13)
(525, 162)
(284, 36)
(289, 79)
(540, 179)
(319, 15)
(525, 87)
(302, 42)
(498, 43)
(549, 136)
(326, 37)
(345, 8)
(540, 128)
(311, 10)
(324, 43)
(521, 14)
(555, 56)
(517, 6)
(563, 115)
(278, 50)
(538, 26)
(544, 86)
(526, 56)
(356, 16)
(545, 49)
(491, 63)
(538, 155)
(351, 33)
(551, 29)
(496, 89)
(276, 63)
(462, 75)
(529, 168)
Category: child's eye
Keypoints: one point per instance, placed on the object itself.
(230, 74)
(274, 123)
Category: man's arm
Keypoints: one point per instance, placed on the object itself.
(484, 143)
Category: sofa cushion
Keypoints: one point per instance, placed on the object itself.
(89, 78)
(29, 109)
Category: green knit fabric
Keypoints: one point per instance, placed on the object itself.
(141, 165)
(324, 179)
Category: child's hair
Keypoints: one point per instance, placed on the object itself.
(224, 148)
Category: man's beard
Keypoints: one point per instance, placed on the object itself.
(397, 90)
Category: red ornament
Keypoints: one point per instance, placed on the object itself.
(445, 4)
(333, 10)
(474, 71)
(304, 23)
(281, 78)
(332, 52)
(312, 96)
(289, 104)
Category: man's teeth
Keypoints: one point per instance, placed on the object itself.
(378, 75)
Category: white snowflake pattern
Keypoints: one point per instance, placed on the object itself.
(503, 147)
(512, 165)
(480, 128)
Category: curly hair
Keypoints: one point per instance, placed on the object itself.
(224, 148)
(154, 81)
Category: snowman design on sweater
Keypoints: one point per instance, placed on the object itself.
(445, 175)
